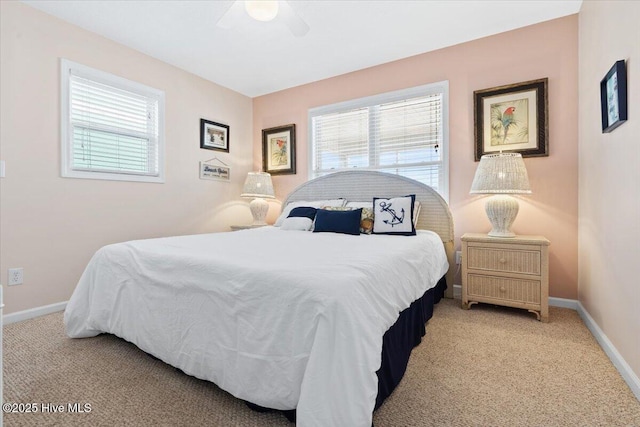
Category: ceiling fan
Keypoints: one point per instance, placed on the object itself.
(264, 10)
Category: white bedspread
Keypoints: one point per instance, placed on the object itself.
(283, 319)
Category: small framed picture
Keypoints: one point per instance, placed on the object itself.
(613, 97)
(279, 150)
(512, 118)
(215, 172)
(214, 136)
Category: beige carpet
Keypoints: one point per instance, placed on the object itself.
(484, 367)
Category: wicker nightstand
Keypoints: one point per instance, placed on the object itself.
(512, 272)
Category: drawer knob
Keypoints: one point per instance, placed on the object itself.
(502, 260)
(503, 289)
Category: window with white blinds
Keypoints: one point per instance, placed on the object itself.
(403, 132)
(112, 128)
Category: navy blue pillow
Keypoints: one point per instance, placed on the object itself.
(345, 222)
(303, 212)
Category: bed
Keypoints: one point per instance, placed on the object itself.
(281, 319)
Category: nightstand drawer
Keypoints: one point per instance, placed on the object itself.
(503, 288)
(508, 260)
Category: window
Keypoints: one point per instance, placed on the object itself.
(112, 128)
(403, 132)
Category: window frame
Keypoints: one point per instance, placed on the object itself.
(384, 98)
(67, 171)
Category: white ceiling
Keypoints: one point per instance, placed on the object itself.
(256, 58)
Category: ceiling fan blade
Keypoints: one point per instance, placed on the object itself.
(294, 22)
(232, 15)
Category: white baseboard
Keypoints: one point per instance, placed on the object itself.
(457, 291)
(563, 303)
(616, 358)
(19, 316)
(553, 301)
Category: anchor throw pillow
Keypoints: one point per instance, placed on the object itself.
(394, 216)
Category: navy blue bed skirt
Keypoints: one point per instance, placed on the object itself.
(402, 337)
(397, 344)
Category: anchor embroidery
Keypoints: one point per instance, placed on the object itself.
(395, 219)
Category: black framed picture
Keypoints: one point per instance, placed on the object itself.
(512, 118)
(214, 136)
(613, 97)
(279, 150)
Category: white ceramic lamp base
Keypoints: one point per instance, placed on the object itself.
(259, 208)
(502, 211)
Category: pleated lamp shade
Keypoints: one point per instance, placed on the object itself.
(503, 173)
(258, 184)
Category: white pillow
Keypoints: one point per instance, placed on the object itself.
(314, 204)
(357, 205)
(299, 223)
(394, 216)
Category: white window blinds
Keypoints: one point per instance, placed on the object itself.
(401, 132)
(113, 127)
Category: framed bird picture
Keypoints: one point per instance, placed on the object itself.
(512, 118)
(279, 150)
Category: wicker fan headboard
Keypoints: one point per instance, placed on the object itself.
(360, 186)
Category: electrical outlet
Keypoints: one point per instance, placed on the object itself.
(16, 276)
(458, 257)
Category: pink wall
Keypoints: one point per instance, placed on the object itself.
(548, 50)
(51, 226)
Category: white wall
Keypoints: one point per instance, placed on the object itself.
(609, 178)
(51, 226)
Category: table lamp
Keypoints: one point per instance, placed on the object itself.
(501, 175)
(259, 186)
